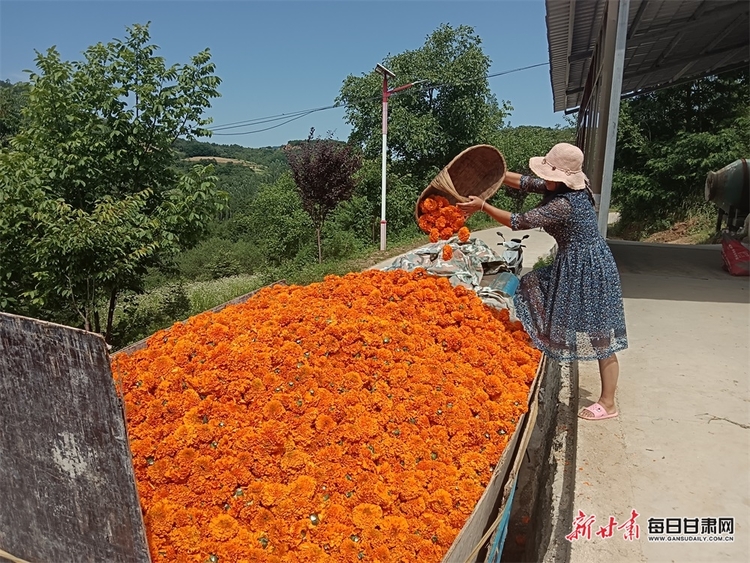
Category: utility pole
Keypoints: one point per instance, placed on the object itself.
(386, 94)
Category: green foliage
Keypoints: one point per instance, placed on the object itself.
(356, 216)
(348, 230)
(544, 261)
(670, 139)
(277, 224)
(519, 144)
(265, 157)
(13, 98)
(142, 315)
(430, 123)
(90, 199)
(215, 258)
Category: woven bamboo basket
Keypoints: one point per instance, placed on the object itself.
(478, 170)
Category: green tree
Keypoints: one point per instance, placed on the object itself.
(668, 140)
(432, 122)
(324, 172)
(89, 199)
(13, 98)
(277, 223)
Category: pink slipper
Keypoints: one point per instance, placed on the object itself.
(599, 412)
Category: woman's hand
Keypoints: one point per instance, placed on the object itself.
(472, 206)
(478, 204)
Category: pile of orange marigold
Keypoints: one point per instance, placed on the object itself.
(354, 419)
(441, 220)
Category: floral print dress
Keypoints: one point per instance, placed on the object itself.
(572, 309)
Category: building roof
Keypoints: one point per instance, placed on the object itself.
(668, 42)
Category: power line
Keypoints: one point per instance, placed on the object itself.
(268, 119)
(289, 117)
(295, 115)
(516, 70)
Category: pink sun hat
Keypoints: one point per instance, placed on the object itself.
(563, 163)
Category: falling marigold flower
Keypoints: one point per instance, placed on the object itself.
(463, 234)
(447, 252)
(434, 235)
(438, 213)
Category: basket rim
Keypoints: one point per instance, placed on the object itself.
(432, 188)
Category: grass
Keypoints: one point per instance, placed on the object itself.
(543, 261)
(206, 295)
(695, 226)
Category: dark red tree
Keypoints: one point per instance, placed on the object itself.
(323, 170)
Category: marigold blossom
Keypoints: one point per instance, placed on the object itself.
(355, 418)
(440, 219)
(447, 252)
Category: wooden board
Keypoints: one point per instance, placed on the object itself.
(66, 477)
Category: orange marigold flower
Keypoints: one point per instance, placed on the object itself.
(367, 515)
(447, 252)
(463, 234)
(303, 487)
(307, 416)
(429, 204)
(223, 527)
(426, 222)
(440, 501)
(325, 423)
(159, 518)
(434, 235)
(274, 409)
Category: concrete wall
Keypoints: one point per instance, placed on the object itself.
(543, 506)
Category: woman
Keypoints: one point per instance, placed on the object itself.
(573, 308)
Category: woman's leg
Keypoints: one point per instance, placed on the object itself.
(609, 371)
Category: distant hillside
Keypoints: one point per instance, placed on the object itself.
(259, 159)
(224, 160)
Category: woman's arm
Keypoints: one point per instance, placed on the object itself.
(512, 180)
(556, 211)
(527, 184)
(478, 204)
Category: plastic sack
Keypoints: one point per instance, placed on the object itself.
(736, 257)
(465, 268)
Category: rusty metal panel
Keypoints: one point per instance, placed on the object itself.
(66, 478)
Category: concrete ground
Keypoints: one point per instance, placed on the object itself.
(681, 445)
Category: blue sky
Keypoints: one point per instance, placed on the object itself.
(281, 56)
